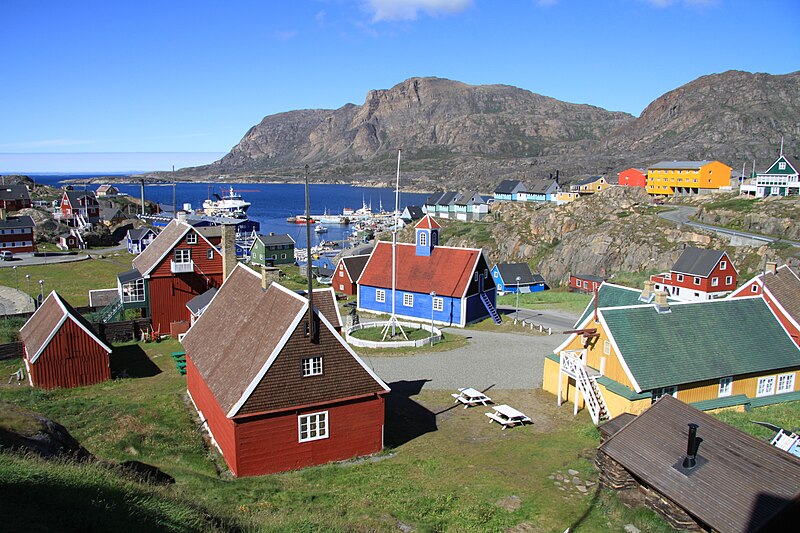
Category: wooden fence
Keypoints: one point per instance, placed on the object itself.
(10, 350)
(128, 330)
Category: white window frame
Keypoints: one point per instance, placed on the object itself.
(728, 280)
(308, 426)
(725, 387)
(380, 296)
(754, 288)
(714, 281)
(181, 256)
(408, 299)
(784, 383)
(341, 273)
(133, 291)
(311, 366)
(341, 287)
(781, 166)
(438, 304)
(765, 386)
(723, 265)
(697, 280)
(210, 254)
(607, 347)
(679, 277)
(423, 238)
(191, 238)
(656, 394)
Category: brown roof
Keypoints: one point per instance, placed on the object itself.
(46, 321)
(354, 264)
(784, 286)
(743, 484)
(263, 336)
(161, 245)
(325, 301)
(447, 271)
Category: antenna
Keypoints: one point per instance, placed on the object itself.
(781, 146)
(312, 333)
(393, 322)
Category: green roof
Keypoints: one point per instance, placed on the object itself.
(700, 341)
(610, 295)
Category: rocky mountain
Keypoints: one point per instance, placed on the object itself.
(461, 136)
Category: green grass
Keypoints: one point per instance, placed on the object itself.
(449, 341)
(9, 329)
(785, 415)
(736, 203)
(376, 334)
(560, 299)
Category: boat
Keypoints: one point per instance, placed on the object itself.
(229, 205)
(300, 219)
(321, 229)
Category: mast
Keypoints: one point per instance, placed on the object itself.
(393, 322)
(312, 333)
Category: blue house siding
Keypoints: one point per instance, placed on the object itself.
(512, 287)
(421, 310)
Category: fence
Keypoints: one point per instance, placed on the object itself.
(10, 350)
(128, 330)
(436, 336)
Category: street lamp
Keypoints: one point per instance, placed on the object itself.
(28, 277)
(16, 276)
(41, 285)
(433, 296)
(516, 312)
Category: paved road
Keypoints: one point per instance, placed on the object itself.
(491, 360)
(27, 259)
(558, 321)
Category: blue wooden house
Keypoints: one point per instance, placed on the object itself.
(139, 238)
(509, 189)
(513, 277)
(544, 190)
(447, 285)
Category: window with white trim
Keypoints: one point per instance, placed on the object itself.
(607, 347)
(191, 238)
(183, 256)
(133, 291)
(423, 238)
(680, 277)
(341, 273)
(210, 253)
(723, 265)
(341, 287)
(728, 280)
(438, 304)
(696, 280)
(725, 386)
(785, 383)
(781, 166)
(766, 386)
(312, 366)
(380, 295)
(753, 288)
(408, 300)
(714, 281)
(655, 394)
(313, 426)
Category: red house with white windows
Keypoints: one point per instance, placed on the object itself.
(780, 288)
(347, 273)
(178, 265)
(698, 274)
(79, 208)
(584, 282)
(274, 391)
(633, 177)
(61, 349)
(16, 233)
(14, 197)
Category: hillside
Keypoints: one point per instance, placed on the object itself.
(456, 135)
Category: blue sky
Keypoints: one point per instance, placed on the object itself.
(194, 76)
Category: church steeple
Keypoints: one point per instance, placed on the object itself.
(427, 231)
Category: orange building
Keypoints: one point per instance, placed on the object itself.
(688, 178)
(633, 177)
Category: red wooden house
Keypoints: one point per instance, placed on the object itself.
(178, 265)
(633, 177)
(780, 288)
(61, 348)
(275, 392)
(347, 273)
(698, 274)
(14, 197)
(79, 208)
(584, 282)
(16, 233)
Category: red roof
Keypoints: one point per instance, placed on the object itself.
(447, 271)
(427, 222)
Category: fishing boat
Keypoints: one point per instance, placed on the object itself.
(321, 229)
(229, 205)
(300, 219)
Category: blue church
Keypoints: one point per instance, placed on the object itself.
(451, 286)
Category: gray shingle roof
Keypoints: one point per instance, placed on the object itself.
(784, 286)
(698, 262)
(415, 212)
(14, 192)
(74, 197)
(355, 265)
(273, 240)
(509, 187)
(542, 186)
(17, 222)
(434, 198)
(136, 234)
(510, 271)
(199, 302)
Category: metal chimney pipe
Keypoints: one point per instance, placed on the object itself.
(692, 445)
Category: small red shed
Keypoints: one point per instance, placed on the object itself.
(633, 177)
(62, 349)
(274, 392)
(347, 273)
(584, 282)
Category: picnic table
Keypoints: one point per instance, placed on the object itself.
(469, 397)
(507, 416)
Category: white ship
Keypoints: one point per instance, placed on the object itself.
(229, 205)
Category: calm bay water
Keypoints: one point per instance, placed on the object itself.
(272, 203)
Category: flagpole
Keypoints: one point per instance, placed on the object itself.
(393, 323)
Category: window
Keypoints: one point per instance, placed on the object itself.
(283, 256)
(408, 300)
(438, 304)
(728, 280)
(341, 287)
(133, 291)
(210, 253)
(341, 272)
(696, 280)
(607, 347)
(781, 166)
(312, 366)
(753, 288)
(785, 383)
(723, 265)
(423, 238)
(655, 394)
(313, 426)
(714, 282)
(766, 386)
(380, 295)
(183, 256)
(725, 387)
(191, 238)
(680, 277)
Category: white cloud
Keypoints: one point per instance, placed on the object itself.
(408, 9)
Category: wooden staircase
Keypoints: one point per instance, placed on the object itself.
(573, 366)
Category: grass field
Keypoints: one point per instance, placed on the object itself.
(560, 299)
(446, 468)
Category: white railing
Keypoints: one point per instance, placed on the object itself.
(182, 267)
(573, 365)
(436, 333)
(570, 361)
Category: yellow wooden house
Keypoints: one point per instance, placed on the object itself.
(711, 354)
(688, 178)
(590, 185)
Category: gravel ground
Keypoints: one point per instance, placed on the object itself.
(491, 360)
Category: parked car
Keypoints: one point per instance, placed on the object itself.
(5, 255)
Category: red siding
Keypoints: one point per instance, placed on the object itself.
(578, 284)
(15, 205)
(221, 426)
(14, 238)
(633, 177)
(71, 359)
(747, 290)
(705, 284)
(270, 443)
(342, 282)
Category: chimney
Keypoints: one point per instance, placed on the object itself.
(661, 303)
(269, 275)
(771, 268)
(3, 213)
(692, 446)
(647, 293)
(228, 250)
(181, 216)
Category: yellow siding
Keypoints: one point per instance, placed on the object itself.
(594, 352)
(710, 176)
(617, 404)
